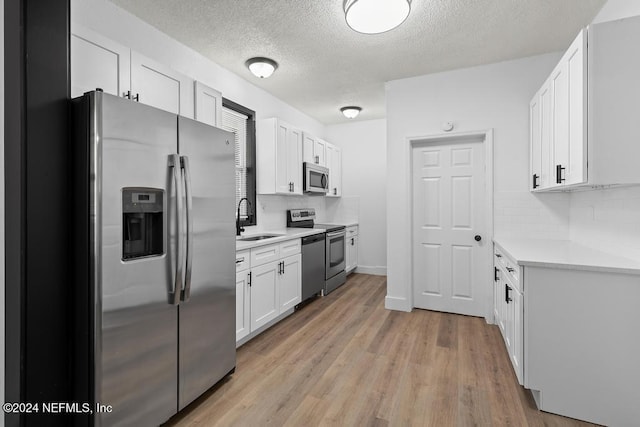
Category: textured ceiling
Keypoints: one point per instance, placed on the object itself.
(325, 65)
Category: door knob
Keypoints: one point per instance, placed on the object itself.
(478, 237)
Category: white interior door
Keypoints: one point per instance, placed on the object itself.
(449, 265)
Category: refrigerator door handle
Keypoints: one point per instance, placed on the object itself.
(174, 163)
(184, 164)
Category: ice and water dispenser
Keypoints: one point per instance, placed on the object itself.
(142, 223)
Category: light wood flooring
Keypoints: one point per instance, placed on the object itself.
(344, 360)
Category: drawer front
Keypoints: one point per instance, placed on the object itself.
(352, 231)
(243, 260)
(290, 247)
(510, 269)
(264, 254)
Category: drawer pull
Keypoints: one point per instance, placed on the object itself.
(510, 270)
(239, 260)
(507, 298)
(495, 274)
(498, 256)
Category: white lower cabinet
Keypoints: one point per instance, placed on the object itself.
(265, 295)
(268, 284)
(508, 308)
(290, 282)
(352, 249)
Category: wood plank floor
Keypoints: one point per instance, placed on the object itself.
(344, 360)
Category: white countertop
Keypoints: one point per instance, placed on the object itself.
(283, 236)
(565, 254)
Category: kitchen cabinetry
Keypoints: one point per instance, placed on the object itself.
(352, 249)
(569, 339)
(313, 149)
(268, 284)
(279, 157)
(243, 297)
(97, 62)
(208, 105)
(334, 164)
(508, 308)
(581, 119)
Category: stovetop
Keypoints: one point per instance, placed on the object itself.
(305, 218)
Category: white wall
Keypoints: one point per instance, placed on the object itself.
(492, 96)
(364, 179)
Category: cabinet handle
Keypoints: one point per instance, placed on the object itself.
(282, 267)
(535, 180)
(317, 160)
(510, 270)
(239, 260)
(498, 256)
(335, 191)
(137, 97)
(559, 178)
(352, 243)
(126, 94)
(507, 298)
(495, 274)
(249, 278)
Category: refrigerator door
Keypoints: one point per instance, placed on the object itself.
(207, 350)
(136, 322)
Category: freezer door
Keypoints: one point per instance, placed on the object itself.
(207, 312)
(136, 323)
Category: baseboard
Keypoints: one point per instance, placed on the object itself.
(376, 271)
(397, 303)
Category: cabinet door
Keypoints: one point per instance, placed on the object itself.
(518, 335)
(208, 105)
(243, 307)
(97, 62)
(352, 253)
(334, 163)
(576, 69)
(535, 143)
(265, 295)
(545, 137)
(294, 160)
(308, 148)
(319, 151)
(283, 184)
(160, 86)
(290, 282)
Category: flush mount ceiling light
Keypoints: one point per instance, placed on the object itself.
(261, 67)
(351, 112)
(376, 16)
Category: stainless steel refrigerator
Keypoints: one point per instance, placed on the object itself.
(154, 259)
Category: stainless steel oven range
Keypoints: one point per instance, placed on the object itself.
(335, 246)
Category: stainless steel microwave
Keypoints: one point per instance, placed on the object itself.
(316, 178)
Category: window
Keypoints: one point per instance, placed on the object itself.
(241, 121)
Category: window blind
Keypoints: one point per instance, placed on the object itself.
(236, 122)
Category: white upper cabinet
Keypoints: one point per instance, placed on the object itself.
(208, 105)
(97, 62)
(159, 86)
(334, 163)
(279, 157)
(583, 125)
(313, 149)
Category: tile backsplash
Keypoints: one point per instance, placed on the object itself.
(528, 215)
(607, 219)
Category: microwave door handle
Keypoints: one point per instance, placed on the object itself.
(174, 164)
(324, 181)
(184, 164)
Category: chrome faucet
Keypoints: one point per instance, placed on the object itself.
(238, 228)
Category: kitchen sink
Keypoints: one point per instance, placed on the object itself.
(258, 237)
